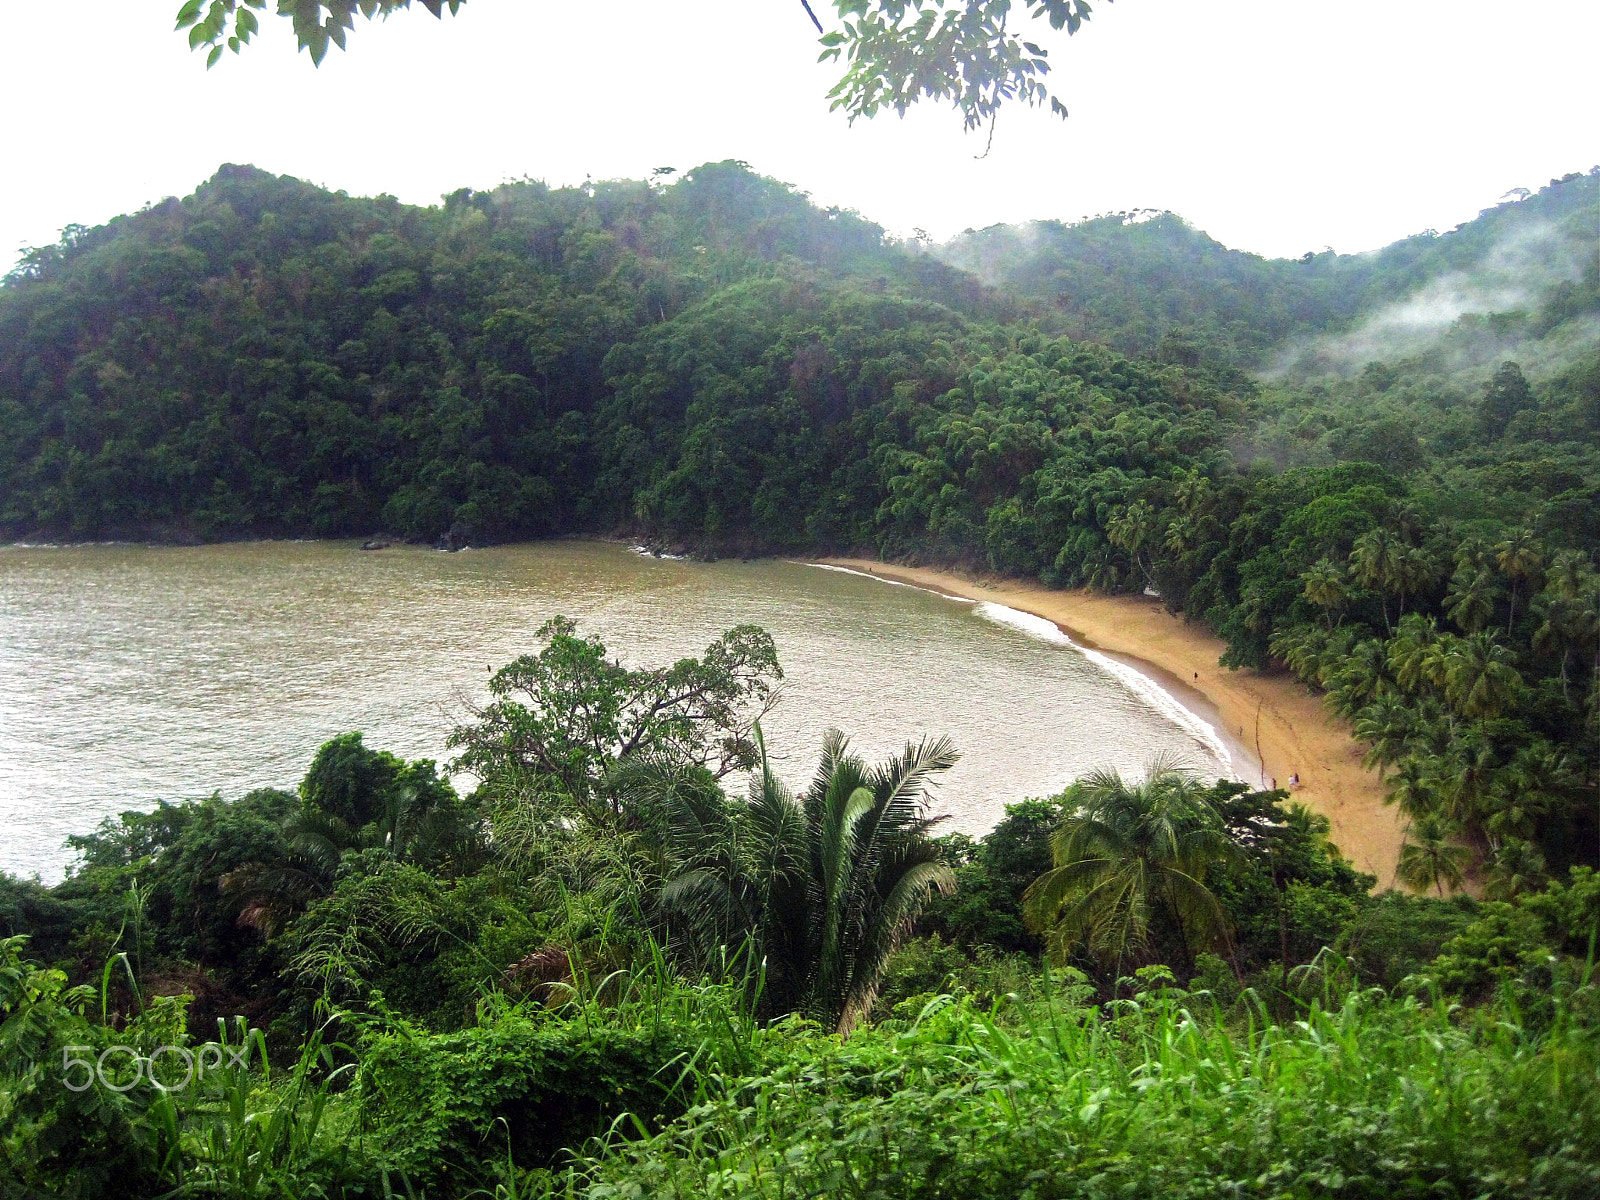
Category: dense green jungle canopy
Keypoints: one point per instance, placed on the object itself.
(1508, 278)
(703, 361)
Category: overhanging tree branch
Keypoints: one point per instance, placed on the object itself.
(895, 53)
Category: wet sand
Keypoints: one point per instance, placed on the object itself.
(1271, 715)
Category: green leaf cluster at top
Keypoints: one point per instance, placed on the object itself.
(317, 23)
(897, 52)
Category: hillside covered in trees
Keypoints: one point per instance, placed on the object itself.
(1521, 280)
(266, 357)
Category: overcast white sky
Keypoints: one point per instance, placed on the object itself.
(1276, 125)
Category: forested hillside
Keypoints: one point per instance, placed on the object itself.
(1148, 282)
(267, 357)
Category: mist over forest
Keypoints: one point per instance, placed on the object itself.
(1520, 278)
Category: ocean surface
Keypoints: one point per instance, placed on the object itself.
(135, 673)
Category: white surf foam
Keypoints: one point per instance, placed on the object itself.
(916, 587)
(1147, 690)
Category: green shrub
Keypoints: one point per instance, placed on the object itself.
(927, 966)
(1396, 936)
(1375, 1098)
(1497, 947)
(449, 1103)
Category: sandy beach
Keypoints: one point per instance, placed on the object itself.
(1272, 715)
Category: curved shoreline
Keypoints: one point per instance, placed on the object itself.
(1285, 723)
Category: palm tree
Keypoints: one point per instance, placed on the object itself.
(1101, 572)
(1472, 555)
(1195, 525)
(827, 886)
(1539, 778)
(354, 800)
(873, 866)
(1411, 658)
(1297, 827)
(1309, 827)
(1570, 605)
(1300, 647)
(1360, 679)
(1418, 572)
(1582, 621)
(1191, 491)
(1518, 867)
(1430, 859)
(1412, 788)
(1570, 572)
(728, 866)
(1324, 586)
(1377, 560)
(270, 894)
(1387, 726)
(1560, 628)
(1464, 773)
(1589, 621)
(1132, 529)
(1471, 600)
(1519, 557)
(1125, 852)
(1187, 532)
(1337, 646)
(1479, 679)
(1513, 803)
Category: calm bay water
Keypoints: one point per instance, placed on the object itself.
(130, 674)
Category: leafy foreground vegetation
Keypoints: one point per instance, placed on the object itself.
(605, 973)
(894, 54)
(1157, 1095)
(1162, 1092)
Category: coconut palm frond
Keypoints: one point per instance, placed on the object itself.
(1124, 852)
(902, 783)
(825, 886)
(896, 915)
